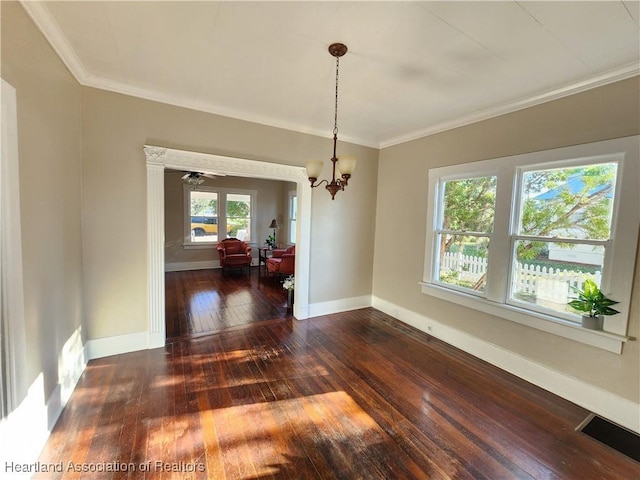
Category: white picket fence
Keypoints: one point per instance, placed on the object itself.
(546, 284)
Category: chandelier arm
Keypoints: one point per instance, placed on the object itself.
(314, 184)
(344, 181)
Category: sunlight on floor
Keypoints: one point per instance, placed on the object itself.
(265, 438)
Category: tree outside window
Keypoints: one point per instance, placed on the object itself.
(563, 228)
(467, 222)
(239, 216)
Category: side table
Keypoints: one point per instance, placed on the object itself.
(263, 255)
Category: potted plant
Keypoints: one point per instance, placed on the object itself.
(593, 304)
(289, 284)
(271, 241)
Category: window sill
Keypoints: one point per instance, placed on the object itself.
(199, 245)
(208, 245)
(546, 323)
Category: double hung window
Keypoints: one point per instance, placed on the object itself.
(515, 236)
(562, 230)
(203, 215)
(212, 214)
(293, 214)
(463, 234)
(238, 206)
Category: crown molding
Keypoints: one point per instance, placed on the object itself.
(52, 32)
(599, 80)
(58, 41)
(190, 103)
(47, 24)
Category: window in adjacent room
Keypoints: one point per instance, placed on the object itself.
(239, 216)
(203, 215)
(293, 213)
(213, 214)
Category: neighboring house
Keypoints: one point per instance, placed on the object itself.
(582, 254)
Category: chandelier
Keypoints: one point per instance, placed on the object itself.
(346, 163)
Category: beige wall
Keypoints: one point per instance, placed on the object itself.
(83, 181)
(603, 113)
(115, 128)
(270, 204)
(49, 147)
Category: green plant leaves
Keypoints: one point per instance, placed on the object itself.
(592, 301)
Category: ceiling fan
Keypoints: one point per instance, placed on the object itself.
(197, 178)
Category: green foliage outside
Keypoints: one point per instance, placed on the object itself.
(585, 212)
(238, 216)
(237, 212)
(201, 206)
(581, 214)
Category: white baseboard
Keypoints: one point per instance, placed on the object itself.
(25, 431)
(156, 340)
(337, 306)
(182, 266)
(613, 407)
(38, 418)
(31, 416)
(116, 345)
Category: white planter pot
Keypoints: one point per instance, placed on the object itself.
(593, 323)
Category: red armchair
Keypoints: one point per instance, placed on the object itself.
(234, 253)
(283, 261)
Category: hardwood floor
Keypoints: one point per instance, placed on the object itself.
(355, 395)
(206, 301)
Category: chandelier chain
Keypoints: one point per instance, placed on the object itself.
(335, 118)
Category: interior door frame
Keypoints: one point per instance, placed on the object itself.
(13, 350)
(158, 159)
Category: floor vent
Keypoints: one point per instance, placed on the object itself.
(623, 440)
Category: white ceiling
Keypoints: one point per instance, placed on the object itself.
(413, 68)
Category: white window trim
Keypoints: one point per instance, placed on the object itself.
(292, 194)
(625, 223)
(222, 218)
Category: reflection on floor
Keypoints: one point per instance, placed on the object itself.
(354, 395)
(207, 301)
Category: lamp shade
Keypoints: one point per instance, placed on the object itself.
(314, 167)
(346, 164)
(274, 224)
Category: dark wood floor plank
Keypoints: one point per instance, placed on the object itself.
(385, 369)
(244, 391)
(208, 301)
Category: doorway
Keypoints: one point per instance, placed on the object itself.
(157, 160)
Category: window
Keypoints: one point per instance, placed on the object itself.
(239, 216)
(512, 236)
(465, 228)
(563, 230)
(293, 213)
(203, 213)
(203, 222)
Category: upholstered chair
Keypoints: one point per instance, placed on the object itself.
(234, 253)
(283, 261)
